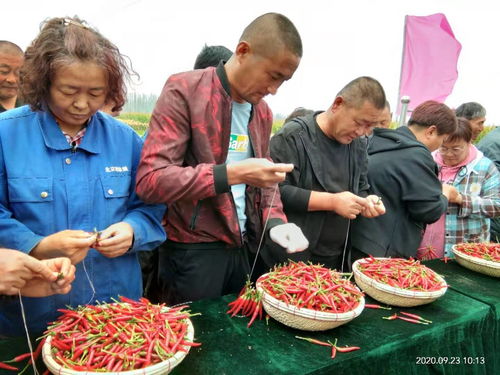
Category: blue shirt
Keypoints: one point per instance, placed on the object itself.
(46, 187)
(239, 149)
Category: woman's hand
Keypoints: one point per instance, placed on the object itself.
(73, 244)
(115, 240)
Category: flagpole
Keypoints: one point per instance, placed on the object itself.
(401, 72)
(405, 100)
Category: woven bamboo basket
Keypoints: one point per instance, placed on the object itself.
(306, 319)
(394, 296)
(483, 266)
(157, 369)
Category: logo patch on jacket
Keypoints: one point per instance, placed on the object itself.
(238, 143)
(116, 169)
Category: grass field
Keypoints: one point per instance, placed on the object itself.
(140, 122)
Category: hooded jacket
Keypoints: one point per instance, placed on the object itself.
(402, 172)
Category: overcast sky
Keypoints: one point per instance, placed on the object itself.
(342, 39)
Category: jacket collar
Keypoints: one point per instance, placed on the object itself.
(55, 139)
(221, 73)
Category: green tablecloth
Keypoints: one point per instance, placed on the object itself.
(463, 331)
(481, 287)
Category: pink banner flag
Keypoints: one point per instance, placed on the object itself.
(430, 56)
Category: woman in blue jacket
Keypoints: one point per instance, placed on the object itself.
(67, 173)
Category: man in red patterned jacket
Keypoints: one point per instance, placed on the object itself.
(207, 157)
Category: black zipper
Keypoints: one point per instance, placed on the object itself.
(195, 215)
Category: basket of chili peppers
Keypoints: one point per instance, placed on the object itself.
(398, 281)
(479, 257)
(309, 297)
(126, 338)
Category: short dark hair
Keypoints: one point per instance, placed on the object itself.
(211, 56)
(271, 30)
(298, 112)
(362, 89)
(470, 110)
(10, 48)
(463, 131)
(431, 113)
(62, 41)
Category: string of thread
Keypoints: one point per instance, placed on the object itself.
(90, 282)
(263, 231)
(345, 245)
(35, 370)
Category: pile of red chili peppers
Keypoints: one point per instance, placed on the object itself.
(486, 251)
(248, 303)
(311, 286)
(118, 336)
(401, 273)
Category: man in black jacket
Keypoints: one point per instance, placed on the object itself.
(328, 186)
(402, 172)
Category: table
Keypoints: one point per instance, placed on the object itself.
(481, 287)
(464, 329)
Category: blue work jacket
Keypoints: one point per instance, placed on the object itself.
(47, 186)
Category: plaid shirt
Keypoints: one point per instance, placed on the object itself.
(479, 184)
(77, 139)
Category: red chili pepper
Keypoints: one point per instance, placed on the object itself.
(334, 351)
(411, 320)
(414, 316)
(314, 341)
(346, 349)
(377, 307)
(392, 317)
(8, 367)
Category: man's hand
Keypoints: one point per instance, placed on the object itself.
(115, 240)
(73, 244)
(290, 237)
(375, 207)
(347, 204)
(35, 278)
(62, 275)
(257, 172)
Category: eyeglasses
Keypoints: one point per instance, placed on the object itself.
(453, 150)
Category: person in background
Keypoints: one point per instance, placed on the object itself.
(402, 172)
(477, 182)
(11, 60)
(212, 56)
(22, 273)
(386, 117)
(476, 114)
(489, 145)
(298, 112)
(72, 194)
(328, 186)
(207, 157)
